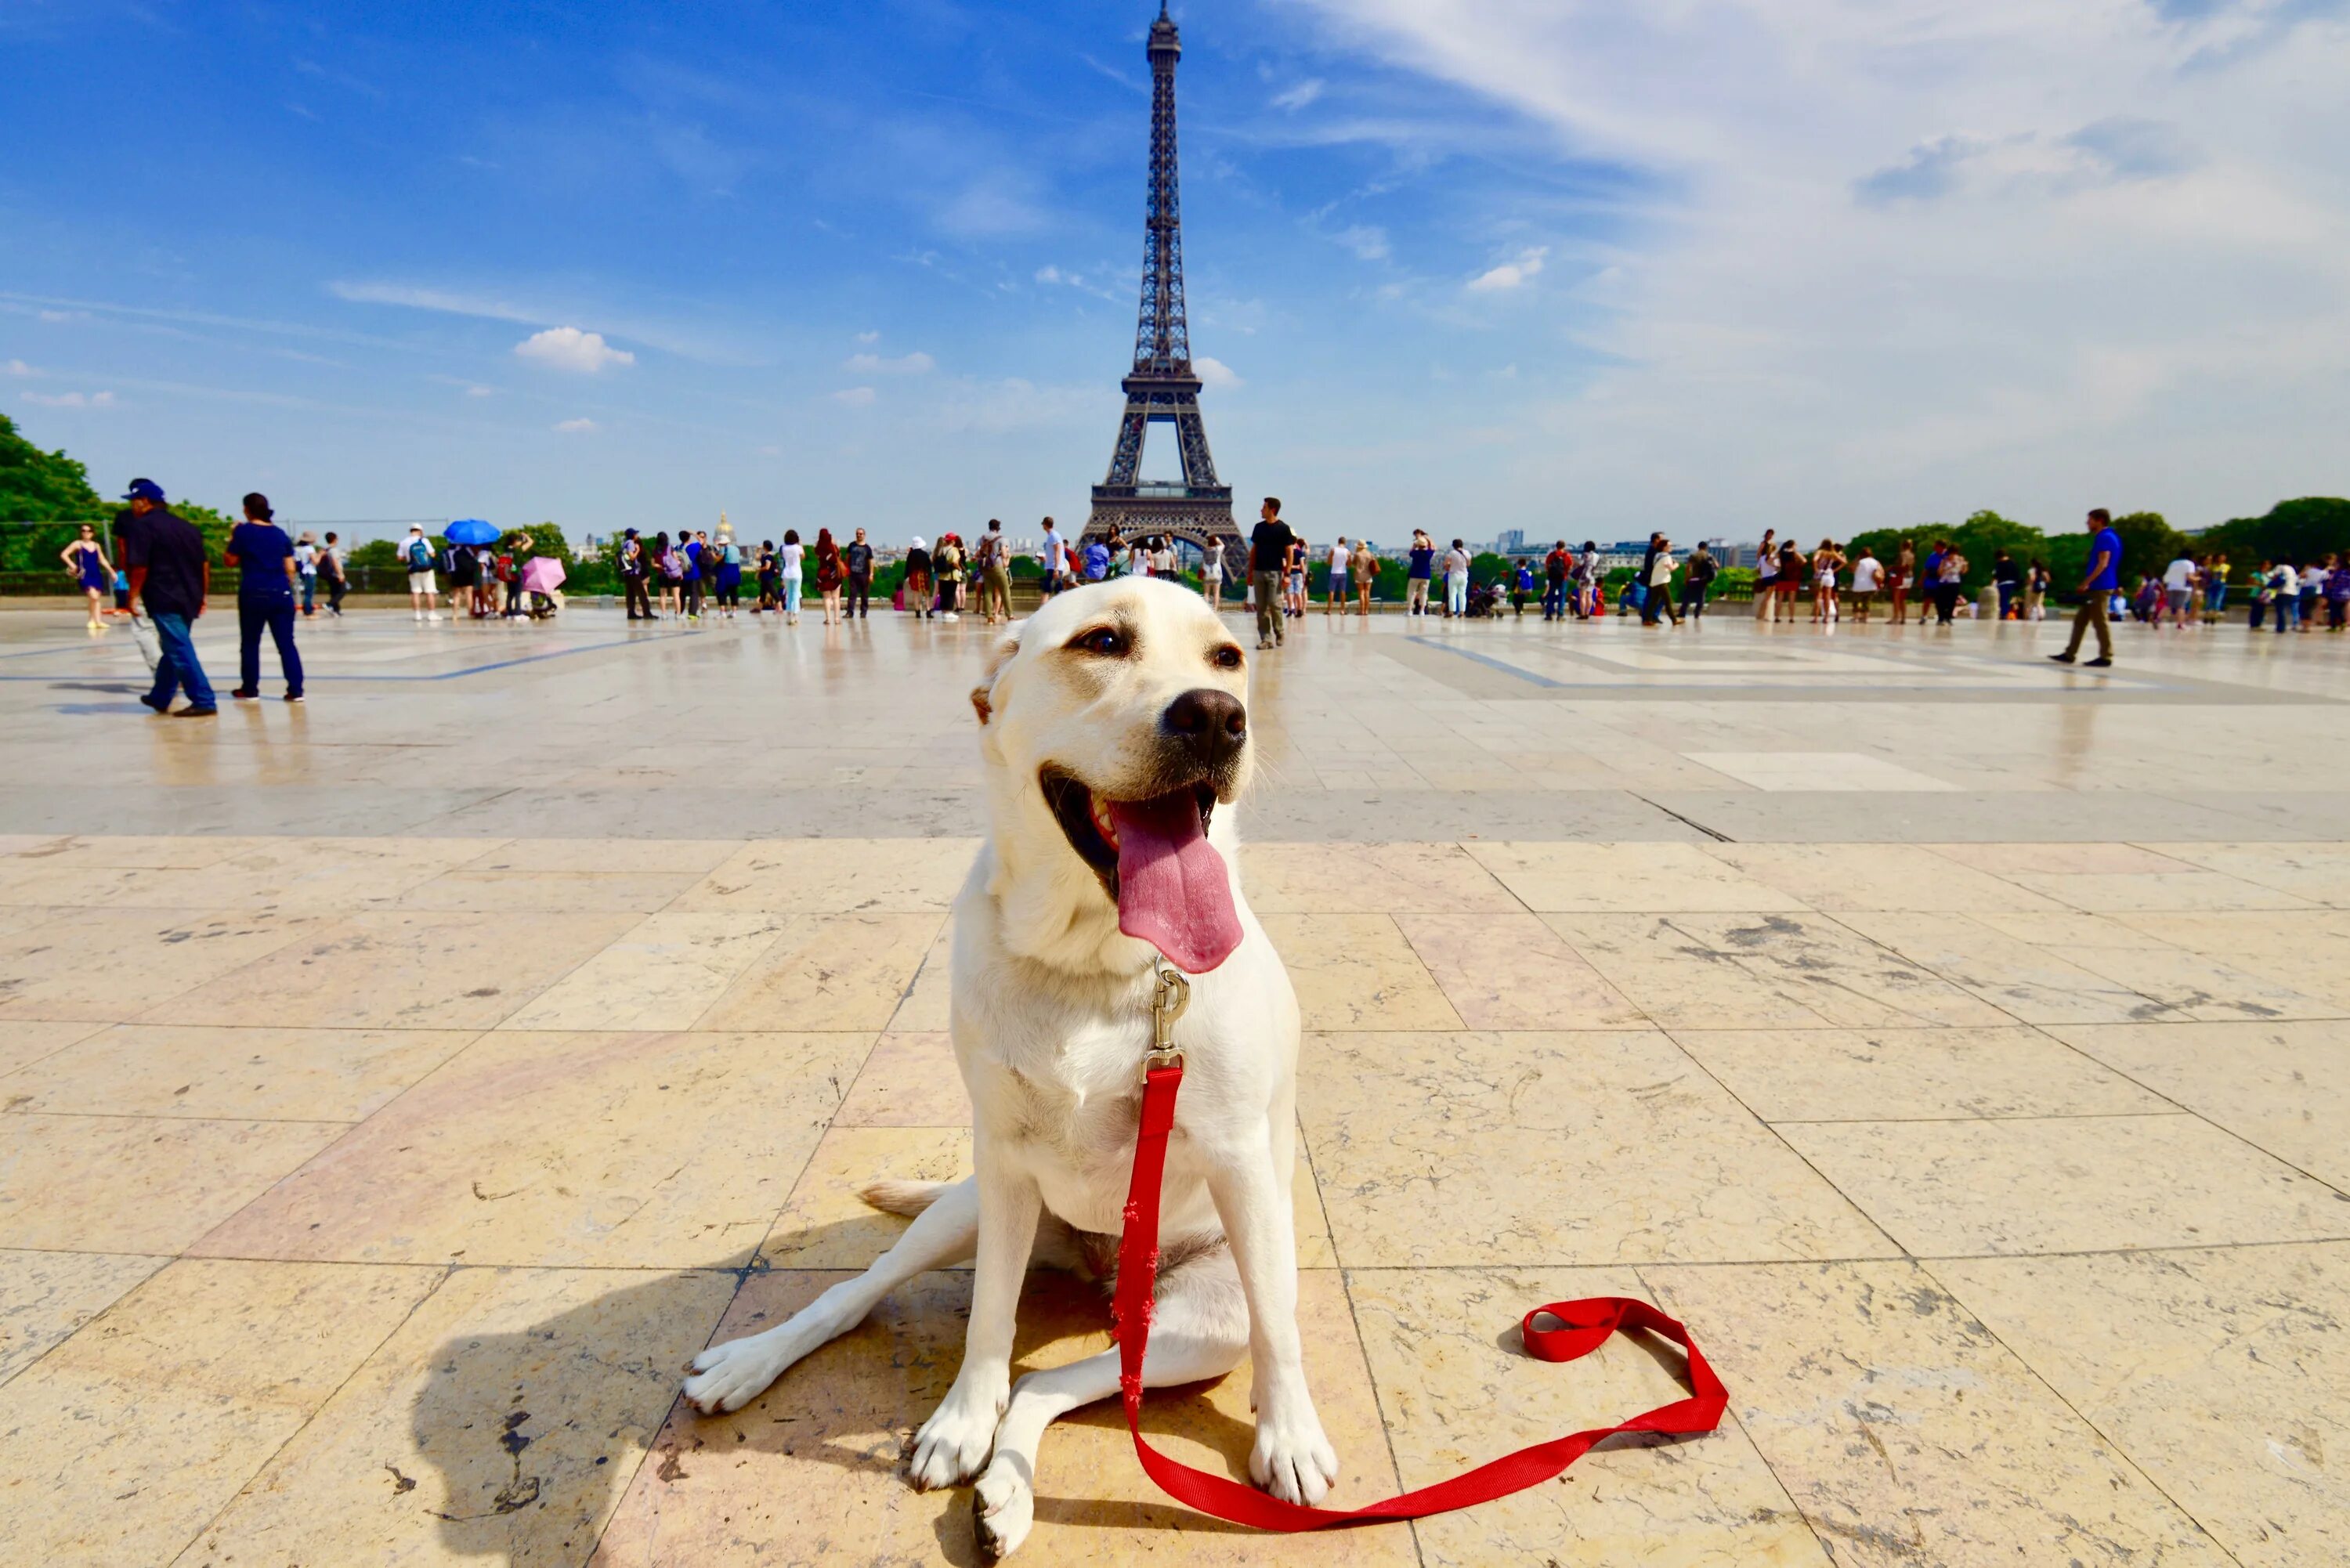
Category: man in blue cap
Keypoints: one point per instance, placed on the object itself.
(170, 577)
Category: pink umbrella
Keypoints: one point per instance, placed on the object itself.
(542, 575)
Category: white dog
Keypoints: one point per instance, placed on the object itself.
(1112, 727)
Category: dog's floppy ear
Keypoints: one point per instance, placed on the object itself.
(983, 696)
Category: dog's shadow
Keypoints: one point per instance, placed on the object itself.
(530, 1435)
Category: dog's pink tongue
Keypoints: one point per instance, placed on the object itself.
(1173, 888)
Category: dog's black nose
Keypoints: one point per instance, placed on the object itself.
(1212, 726)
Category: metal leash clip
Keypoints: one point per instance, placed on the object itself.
(1167, 1004)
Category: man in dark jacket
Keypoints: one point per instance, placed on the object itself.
(170, 577)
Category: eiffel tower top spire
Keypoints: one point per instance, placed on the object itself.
(1162, 338)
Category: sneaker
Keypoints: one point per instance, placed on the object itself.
(951, 616)
(195, 713)
(1264, 642)
(2061, 657)
(159, 707)
(243, 696)
(2099, 664)
(293, 696)
(420, 615)
(432, 615)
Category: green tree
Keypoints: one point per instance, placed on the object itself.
(2148, 544)
(2307, 529)
(38, 486)
(545, 539)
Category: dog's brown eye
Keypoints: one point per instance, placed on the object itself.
(1226, 657)
(1106, 640)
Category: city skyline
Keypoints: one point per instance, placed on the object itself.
(1476, 266)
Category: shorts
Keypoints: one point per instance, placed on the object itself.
(1786, 586)
(423, 583)
(2181, 598)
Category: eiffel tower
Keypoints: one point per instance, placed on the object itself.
(1162, 388)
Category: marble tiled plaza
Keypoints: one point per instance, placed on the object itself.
(400, 1088)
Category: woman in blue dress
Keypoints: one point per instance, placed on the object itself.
(85, 559)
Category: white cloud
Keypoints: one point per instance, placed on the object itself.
(1368, 242)
(54, 316)
(914, 364)
(1082, 283)
(854, 397)
(569, 348)
(481, 391)
(1510, 274)
(1015, 403)
(19, 368)
(71, 400)
(868, 337)
(577, 426)
(1298, 96)
(1214, 373)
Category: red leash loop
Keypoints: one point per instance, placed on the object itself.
(1585, 1325)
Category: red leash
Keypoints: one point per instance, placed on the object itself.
(1587, 1324)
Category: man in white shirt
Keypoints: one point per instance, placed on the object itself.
(1866, 574)
(1456, 580)
(2284, 591)
(1057, 562)
(1338, 576)
(2179, 589)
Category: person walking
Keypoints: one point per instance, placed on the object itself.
(1657, 604)
(948, 561)
(914, 591)
(1903, 579)
(1294, 579)
(1826, 562)
(634, 570)
(1557, 569)
(337, 573)
(1341, 584)
(856, 561)
(668, 561)
(831, 576)
(2181, 596)
(423, 588)
(729, 552)
(1366, 576)
(269, 570)
(792, 572)
(2215, 580)
(170, 578)
(1212, 573)
(992, 560)
(2036, 579)
(1951, 572)
(1456, 581)
(305, 562)
(2284, 594)
(2008, 578)
(1420, 564)
(1696, 577)
(1269, 547)
(1586, 581)
(2097, 585)
(1522, 586)
(1055, 558)
(1766, 574)
(85, 559)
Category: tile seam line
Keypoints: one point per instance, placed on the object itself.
(2118, 1451)
(358, 1365)
(1355, 1318)
(1793, 1262)
(2177, 1110)
(1730, 1413)
(160, 1116)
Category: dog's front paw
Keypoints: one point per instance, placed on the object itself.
(1003, 1507)
(953, 1443)
(728, 1376)
(1292, 1458)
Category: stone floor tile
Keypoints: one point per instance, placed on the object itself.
(665, 973)
(1468, 1149)
(1893, 1074)
(837, 876)
(401, 969)
(2306, 952)
(139, 1184)
(928, 1006)
(500, 1423)
(2151, 892)
(46, 1296)
(909, 1081)
(1382, 878)
(2223, 1373)
(2060, 859)
(176, 1395)
(1509, 971)
(1769, 970)
(827, 971)
(1357, 971)
(554, 892)
(1817, 771)
(1906, 1434)
(1592, 878)
(623, 1150)
(133, 851)
(813, 1467)
(2022, 980)
(26, 1041)
(2319, 873)
(1457, 1389)
(690, 857)
(2208, 990)
(275, 1075)
(825, 1225)
(2066, 1184)
(2285, 1088)
(1832, 877)
(106, 965)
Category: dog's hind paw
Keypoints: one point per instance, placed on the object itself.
(728, 1376)
(1292, 1459)
(954, 1442)
(1003, 1507)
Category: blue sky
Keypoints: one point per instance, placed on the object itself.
(1468, 263)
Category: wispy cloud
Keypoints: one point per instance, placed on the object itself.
(1367, 241)
(854, 397)
(1510, 273)
(577, 426)
(19, 368)
(1297, 96)
(914, 364)
(1214, 374)
(71, 400)
(569, 348)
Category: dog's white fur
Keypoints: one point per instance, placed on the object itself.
(1051, 1017)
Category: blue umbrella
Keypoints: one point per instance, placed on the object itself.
(471, 531)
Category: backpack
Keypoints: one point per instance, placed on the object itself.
(420, 556)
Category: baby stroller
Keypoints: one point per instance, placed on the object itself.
(1484, 601)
